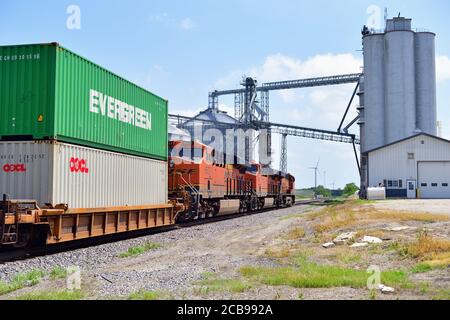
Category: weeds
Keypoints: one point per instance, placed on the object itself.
(372, 295)
(138, 250)
(278, 253)
(421, 268)
(442, 295)
(311, 275)
(349, 257)
(57, 295)
(21, 280)
(58, 273)
(295, 234)
(349, 215)
(211, 283)
(145, 295)
(427, 247)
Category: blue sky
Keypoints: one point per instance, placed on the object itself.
(181, 50)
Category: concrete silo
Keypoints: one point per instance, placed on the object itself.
(426, 82)
(400, 99)
(373, 99)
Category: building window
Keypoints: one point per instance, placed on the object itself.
(422, 142)
(424, 185)
(393, 184)
(410, 156)
(434, 184)
(445, 184)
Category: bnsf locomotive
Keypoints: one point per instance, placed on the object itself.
(207, 189)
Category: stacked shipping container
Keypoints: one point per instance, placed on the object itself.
(74, 133)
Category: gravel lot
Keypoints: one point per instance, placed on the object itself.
(441, 206)
(186, 253)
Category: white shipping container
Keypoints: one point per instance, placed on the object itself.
(60, 173)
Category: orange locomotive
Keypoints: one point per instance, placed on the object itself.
(206, 189)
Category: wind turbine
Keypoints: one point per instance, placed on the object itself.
(334, 183)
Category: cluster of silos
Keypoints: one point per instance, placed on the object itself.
(398, 90)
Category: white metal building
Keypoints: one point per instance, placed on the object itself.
(415, 167)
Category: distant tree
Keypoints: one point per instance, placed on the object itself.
(322, 191)
(350, 189)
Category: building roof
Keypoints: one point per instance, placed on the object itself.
(214, 115)
(409, 138)
(178, 134)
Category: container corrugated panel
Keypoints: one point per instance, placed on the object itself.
(49, 92)
(81, 177)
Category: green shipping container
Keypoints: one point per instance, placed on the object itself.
(49, 92)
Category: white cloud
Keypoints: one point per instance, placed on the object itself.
(229, 110)
(167, 20)
(282, 67)
(442, 68)
(158, 17)
(279, 67)
(187, 24)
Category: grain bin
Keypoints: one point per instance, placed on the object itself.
(374, 92)
(49, 92)
(399, 97)
(60, 173)
(400, 108)
(426, 82)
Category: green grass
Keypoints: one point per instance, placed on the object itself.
(52, 295)
(421, 268)
(58, 273)
(138, 250)
(21, 280)
(211, 283)
(350, 258)
(363, 201)
(145, 295)
(311, 275)
(424, 287)
(292, 216)
(442, 295)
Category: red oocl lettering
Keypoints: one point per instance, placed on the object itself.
(17, 167)
(78, 165)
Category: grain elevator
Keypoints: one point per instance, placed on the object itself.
(398, 89)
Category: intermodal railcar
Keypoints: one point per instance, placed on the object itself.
(198, 188)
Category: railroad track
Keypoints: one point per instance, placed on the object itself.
(14, 254)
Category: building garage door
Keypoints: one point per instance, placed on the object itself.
(434, 180)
